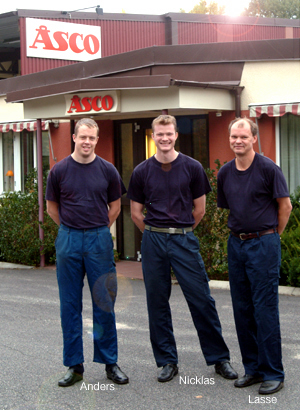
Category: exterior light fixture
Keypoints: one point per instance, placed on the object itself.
(9, 173)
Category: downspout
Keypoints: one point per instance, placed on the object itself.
(40, 187)
(237, 92)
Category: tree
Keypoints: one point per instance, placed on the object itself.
(289, 9)
(212, 8)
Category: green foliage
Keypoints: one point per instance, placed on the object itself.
(213, 233)
(289, 9)
(207, 8)
(290, 245)
(19, 225)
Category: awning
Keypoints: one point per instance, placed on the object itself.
(274, 110)
(22, 125)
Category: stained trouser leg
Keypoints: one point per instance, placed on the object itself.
(101, 275)
(70, 275)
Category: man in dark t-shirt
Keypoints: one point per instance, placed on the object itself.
(173, 189)
(255, 191)
(83, 198)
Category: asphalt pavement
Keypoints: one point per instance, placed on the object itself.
(31, 353)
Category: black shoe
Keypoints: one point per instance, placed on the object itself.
(225, 370)
(168, 372)
(70, 378)
(115, 374)
(270, 386)
(247, 380)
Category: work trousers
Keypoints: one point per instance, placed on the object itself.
(90, 251)
(254, 267)
(160, 251)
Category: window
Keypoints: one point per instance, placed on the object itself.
(290, 149)
(8, 161)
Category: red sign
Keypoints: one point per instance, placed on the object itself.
(58, 40)
(93, 102)
(87, 104)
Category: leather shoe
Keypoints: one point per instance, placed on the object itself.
(247, 380)
(115, 374)
(225, 370)
(270, 386)
(70, 378)
(168, 372)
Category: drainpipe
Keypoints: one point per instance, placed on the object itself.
(40, 186)
(237, 93)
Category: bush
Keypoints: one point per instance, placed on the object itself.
(213, 232)
(19, 225)
(290, 245)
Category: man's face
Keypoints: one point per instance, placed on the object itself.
(241, 139)
(164, 137)
(85, 141)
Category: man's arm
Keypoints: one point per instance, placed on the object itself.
(114, 208)
(284, 211)
(137, 214)
(199, 209)
(52, 210)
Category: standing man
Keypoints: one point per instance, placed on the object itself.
(255, 191)
(83, 198)
(173, 189)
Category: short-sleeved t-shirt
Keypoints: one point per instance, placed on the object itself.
(251, 194)
(168, 190)
(83, 191)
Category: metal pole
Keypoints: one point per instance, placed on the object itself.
(165, 112)
(40, 185)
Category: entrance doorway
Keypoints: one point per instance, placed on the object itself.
(134, 144)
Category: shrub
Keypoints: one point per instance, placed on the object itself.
(290, 245)
(213, 232)
(19, 225)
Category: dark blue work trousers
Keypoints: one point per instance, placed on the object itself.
(90, 251)
(254, 267)
(160, 251)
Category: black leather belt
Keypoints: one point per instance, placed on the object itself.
(177, 231)
(245, 236)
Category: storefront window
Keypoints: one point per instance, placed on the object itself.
(290, 149)
(45, 151)
(8, 161)
(26, 155)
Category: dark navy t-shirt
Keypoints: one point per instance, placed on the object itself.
(251, 194)
(83, 191)
(168, 190)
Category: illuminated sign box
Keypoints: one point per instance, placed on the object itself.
(63, 41)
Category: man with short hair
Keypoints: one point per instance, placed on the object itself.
(255, 191)
(83, 198)
(173, 188)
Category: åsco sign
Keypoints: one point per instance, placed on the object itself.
(63, 41)
(91, 102)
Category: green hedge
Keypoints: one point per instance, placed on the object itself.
(290, 246)
(19, 225)
(213, 232)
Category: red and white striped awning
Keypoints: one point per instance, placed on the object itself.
(274, 110)
(22, 125)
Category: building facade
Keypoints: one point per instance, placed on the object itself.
(204, 70)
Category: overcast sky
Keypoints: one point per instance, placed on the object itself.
(233, 7)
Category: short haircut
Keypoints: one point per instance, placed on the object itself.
(88, 122)
(253, 126)
(164, 120)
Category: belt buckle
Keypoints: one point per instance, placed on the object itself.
(241, 236)
(172, 230)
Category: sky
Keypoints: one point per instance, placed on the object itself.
(233, 7)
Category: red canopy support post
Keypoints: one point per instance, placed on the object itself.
(40, 186)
